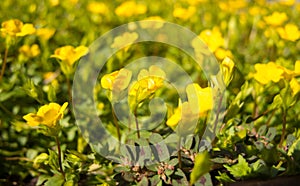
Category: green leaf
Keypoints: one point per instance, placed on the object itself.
(223, 177)
(42, 179)
(202, 166)
(205, 180)
(144, 182)
(56, 180)
(180, 178)
(239, 170)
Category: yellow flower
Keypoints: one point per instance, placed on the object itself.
(147, 84)
(183, 120)
(268, 72)
(30, 51)
(54, 2)
(232, 5)
(221, 53)
(130, 8)
(295, 86)
(124, 39)
(47, 115)
(183, 13)
(117, 81)
(174, 119)
(204, 97)
(155, 25)
(227, 69)
(45, 33)
(276, 19)
(297, 67)
(289, 32)
(69, 55)
(15, 27)
(213, 38)
(287, 2)
(97, 8)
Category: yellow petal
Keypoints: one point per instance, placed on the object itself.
(32, 119)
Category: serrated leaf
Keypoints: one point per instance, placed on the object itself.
(223, 177)
(239, 170)
(202, 166)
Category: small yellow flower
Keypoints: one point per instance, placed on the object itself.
(125, 39)
(227, 70)
(30, 51)
(221, 54)
(183, 120)
(97, 8)
(183, 13)
(287, 2)
(147, 84)
(69, 55)
(45, 33)
(213, 38)
(276, 19)
(204, 97)
(232, 5)
(130, 8)
(295, 86)
(47, 115)
(117, 81)
(174, 119)
(15, 27)
(155, 25)
(268, 72)
(289, 32)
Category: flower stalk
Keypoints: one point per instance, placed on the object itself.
(4, 63)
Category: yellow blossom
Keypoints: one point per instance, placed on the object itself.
(125, 39)
(227, 70)
(276, 19)
(30, 51)
(130, 8)
(297, 67)
(204, 97)
(213, 38)
(183, 13)
(97, 8)
(221, 53)
(174, 119)
(45, 33)
(183, 120)
(268, 72)
(54, 2)
(117, 80)
(147, 84)
(287, 2)
(232, 5)
(47, 115)
(69, 55)
(15, 27)
(289, 32)
(156, 25)
(295, 86)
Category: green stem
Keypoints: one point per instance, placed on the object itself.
(283, 128)
(179, 153)
(137, 123)
(4, 63)
(218, 113)
(116, 124)
(69, 90)
(59, 157)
